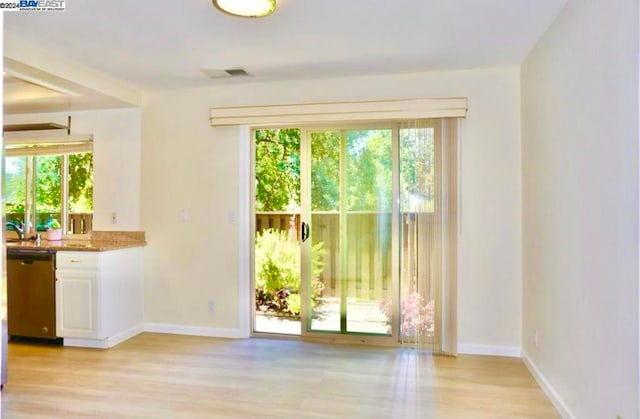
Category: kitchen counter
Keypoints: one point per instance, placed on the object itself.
(98, 242)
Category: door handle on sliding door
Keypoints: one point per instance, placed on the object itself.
(304, 231)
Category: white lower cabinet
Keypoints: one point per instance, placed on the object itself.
(77, 304)
(98, 297)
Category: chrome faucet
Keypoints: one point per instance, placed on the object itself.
(17, 228)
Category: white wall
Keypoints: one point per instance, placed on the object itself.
(580, 209)
(186, 164)
(117, 147)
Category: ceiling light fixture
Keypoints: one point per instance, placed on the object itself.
(246, 8)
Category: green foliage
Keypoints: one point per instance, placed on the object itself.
(417, 169)
(325, 173)
(294, 303)
(48, 183)
(278, 271)
(81, 182)
(277, 169)
(277, 261)
(53, 224)
(369, 164)
(14, 184)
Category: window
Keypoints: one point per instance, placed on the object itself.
(40, 188)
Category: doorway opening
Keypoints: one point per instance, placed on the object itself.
(352, 236)
(277, 272)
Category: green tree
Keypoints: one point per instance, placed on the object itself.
(369, 165)
(325, 173)
(48, 184)
(81, 182)
(14, 184)
(417, 169)
(277, 169)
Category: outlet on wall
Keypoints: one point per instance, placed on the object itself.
(114, 218)
(184, 215)
(212, 306)
(535, 338)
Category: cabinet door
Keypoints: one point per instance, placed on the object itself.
(77, 304)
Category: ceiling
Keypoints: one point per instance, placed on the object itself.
(17, 89)
(158, 45)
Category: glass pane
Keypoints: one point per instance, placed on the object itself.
(80, 204)
(325, 285)
(277, 245)
(48, 190)
(15, 182)
(367, 262)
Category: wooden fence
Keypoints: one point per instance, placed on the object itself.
(80, 223)
(278, 221)
(368, 259)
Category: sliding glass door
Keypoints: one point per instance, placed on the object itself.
(348, 258)
(356, 233)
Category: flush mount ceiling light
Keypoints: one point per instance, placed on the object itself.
(246, 8)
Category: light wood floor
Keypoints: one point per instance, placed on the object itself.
(168, 376)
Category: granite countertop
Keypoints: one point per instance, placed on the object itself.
(98, 242)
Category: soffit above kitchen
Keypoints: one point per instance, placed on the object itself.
(25, 92)
(158, 46)
(52, 83)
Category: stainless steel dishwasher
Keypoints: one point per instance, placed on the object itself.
(31, 298)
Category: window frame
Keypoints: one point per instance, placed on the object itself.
(30, 202)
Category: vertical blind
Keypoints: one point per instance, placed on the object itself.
(428, 207)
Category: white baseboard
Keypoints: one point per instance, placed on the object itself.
(106, 343)
(493, 350)
(548, 389)
(124, 335)
(87, 343)
(178, 329)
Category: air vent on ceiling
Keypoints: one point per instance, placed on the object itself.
(228, 72)
(235, 72)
